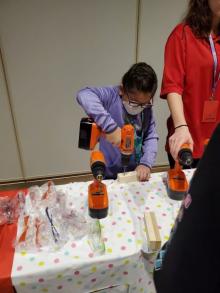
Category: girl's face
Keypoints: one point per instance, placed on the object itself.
(135, 101)
(136, 97)
(214, 6)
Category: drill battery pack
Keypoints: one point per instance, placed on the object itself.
(177, 184)
(97, 200)
(89, 134)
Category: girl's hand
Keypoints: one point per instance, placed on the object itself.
(114, 137)
(143, 173)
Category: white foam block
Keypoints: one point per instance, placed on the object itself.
(127, 177)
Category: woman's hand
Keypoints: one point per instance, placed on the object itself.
(114, 137)
(143, 173)
(180, 136)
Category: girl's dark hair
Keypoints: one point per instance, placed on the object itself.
(141, 77)
(199, 18)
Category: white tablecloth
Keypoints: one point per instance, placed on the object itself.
(75, 268)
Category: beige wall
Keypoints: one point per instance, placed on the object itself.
(52, 48)
(9, 157)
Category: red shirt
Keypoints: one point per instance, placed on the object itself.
(188, 71)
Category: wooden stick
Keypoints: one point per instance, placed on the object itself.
(127, 177)
(152, 231)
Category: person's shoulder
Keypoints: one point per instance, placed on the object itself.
(180, 30)
(112, 88)
(100, 89)
(112, 92)
(116, 90)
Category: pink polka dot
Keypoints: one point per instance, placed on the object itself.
(93, 280)
(73, 245)
(90, 254)
(82, 208)
(110, 265)
(76, 273)
(113, 223)
(123, 213)
(152, 197)
(125, 273)
(19, 268)
(159, 227)
(139, 280)
(70, 204)
(137, 192)
(41, 280)
(129, 200)
(133, 233)
(147, 208)
(123, 247)
(121, 187)
(164, 214)
(81, 194)
(56, 260)
(105, 239)
(60, 287)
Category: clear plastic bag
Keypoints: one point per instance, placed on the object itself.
(11, 208)
(48, 224)
(95, 238)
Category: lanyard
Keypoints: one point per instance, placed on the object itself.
(214, 56)
(138, 140)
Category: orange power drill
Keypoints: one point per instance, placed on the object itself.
(90, 133)
(97, 191)
(127, 144)
(177, 184)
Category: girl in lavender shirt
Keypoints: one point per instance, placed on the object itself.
(113, 106)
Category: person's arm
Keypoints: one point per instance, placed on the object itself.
(149, 149)
(181, 134)
(173, 85)
(95, 102)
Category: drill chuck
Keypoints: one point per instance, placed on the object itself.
(97, 164)
(125, 159)
(185, 157)
(98, 170)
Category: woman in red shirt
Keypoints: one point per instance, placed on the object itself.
(191, 78)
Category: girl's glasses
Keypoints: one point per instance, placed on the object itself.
(142, 105)
(134, 104)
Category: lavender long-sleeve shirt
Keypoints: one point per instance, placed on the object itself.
(104, 105)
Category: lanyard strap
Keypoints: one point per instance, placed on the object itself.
(215, 60)
(138, 139)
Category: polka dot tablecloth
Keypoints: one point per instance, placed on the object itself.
(122, 268)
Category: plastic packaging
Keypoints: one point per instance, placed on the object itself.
(11, 208)
(47, 223)
(95, 238)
